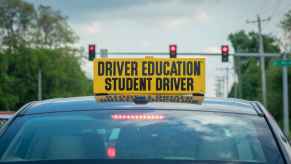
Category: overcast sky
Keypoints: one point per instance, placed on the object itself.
(151, 25)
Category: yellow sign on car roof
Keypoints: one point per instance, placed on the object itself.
(145, 76)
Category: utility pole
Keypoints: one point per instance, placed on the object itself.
(262, 58)
(39, 84)
(285, 96)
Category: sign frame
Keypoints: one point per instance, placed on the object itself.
(191, 74)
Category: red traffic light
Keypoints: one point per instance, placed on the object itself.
(173, 47)
(224, 53)
(224, 49)
(173, 50)
(92, 51)
(91, 48)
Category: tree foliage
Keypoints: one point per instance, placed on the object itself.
(32, 40)
(286, 26)
(52, 28)
(16, 21)
(23, 25)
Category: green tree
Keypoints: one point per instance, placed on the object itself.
(62, 76)
(16, 23)
(52, 31)
(286, 26)
(249, 85)
(34, 40)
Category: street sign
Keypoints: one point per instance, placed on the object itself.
(147, 76)
(282, 63)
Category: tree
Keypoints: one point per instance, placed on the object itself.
(248, 70)
(16, 22)
(32, 40)
(286, 26)
(53, 30)
(248, 42)
(62, 76)
(21, 25)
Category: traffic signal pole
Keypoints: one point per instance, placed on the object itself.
(285, 97)
(130, 53)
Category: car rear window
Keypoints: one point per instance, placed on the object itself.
(143, 134)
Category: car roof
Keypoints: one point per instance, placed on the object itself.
(227, 105)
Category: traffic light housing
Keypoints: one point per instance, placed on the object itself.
(173, 50)
(92, 52)
(224, 53)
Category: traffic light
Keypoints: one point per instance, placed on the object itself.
(92, 52)
(224, 53)
(173, 50)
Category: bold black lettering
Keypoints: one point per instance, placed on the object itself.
(189, 68)
(121, 84)
(135, 84)
(159, 84)
(128, 84)
(179, 67)
(183, 84)
(173, 69)
(142, 84)
(149, 82)
(127, 68)
(166, 71)
(196, 68)
(177, 83)
(144, 68)
(114, 69)
(184, 68)
(166, 86)
(134, 69)
(107, 84)
(151, 68)
(159, 68)
(108, 68)
(190, 84)
(120, 66)
(100, 68)
(114, 83)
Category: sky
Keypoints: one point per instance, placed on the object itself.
(151, 25)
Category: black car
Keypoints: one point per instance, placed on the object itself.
(84, 130)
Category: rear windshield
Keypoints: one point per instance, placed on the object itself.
(169, 135)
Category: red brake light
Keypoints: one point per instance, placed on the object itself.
(111, 152)
(136, 117)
